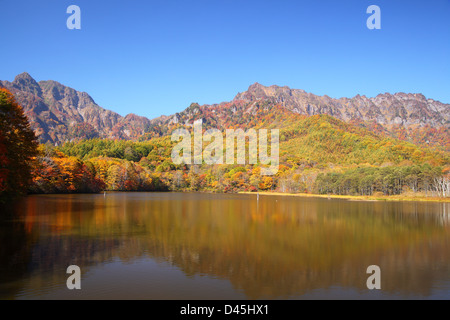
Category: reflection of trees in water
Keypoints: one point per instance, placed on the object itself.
(290, 248)
(14, 251)
(278, 248)
(30, 252)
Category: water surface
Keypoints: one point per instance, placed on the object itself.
(221, 246)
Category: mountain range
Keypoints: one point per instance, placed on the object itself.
(58, 113)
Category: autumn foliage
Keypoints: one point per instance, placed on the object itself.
(318, 154)
(18, 148)
(61, 174)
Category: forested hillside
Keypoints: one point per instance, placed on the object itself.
(59, 114)
(318, 154)
(388, 145)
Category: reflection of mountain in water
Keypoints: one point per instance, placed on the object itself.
(276, 248)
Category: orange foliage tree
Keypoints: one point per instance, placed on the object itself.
(18, 148)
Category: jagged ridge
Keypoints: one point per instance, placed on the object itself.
(59, 113)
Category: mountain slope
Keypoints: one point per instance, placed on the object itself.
(58, 113)
(324, 139)
(387, 109)
(409, 117)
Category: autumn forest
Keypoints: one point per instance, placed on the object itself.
(319, 154)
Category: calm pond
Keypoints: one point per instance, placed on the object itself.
(223, 246)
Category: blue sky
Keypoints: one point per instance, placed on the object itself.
(156, 57)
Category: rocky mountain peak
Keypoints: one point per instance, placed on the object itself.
(255, 92)
(24, 76)
(54, 109)
(25, 82)
(386, 108)
(255, 87)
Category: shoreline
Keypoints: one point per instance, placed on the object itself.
(353, 198)
(268, 193)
